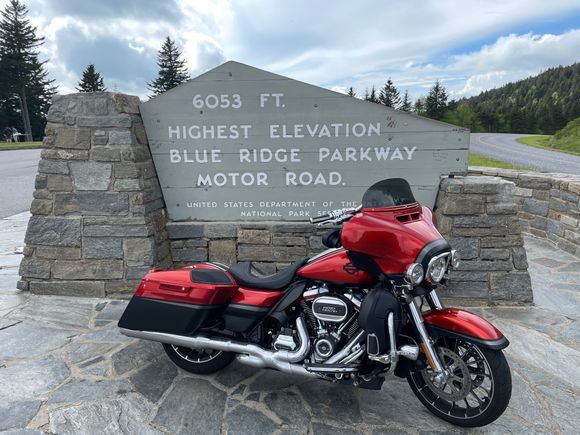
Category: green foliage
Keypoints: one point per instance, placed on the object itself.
(372, 95)
(419, 106)
(462, 115)
(539, 104)
(405, 102)
(389, 95)
(566, 140)
(22, 74)
(172, 69)
(351, 92)
(91, 81)
(436, 101)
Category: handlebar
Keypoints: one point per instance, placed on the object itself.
(336, 216)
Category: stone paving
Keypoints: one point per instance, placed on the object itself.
(65, 369)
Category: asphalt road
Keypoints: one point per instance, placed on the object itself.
(504, 147)
(17, 173)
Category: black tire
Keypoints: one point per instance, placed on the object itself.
(198, 361)
(496, 375)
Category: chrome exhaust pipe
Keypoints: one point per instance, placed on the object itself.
(250, 354)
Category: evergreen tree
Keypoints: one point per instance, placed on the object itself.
(23, 78)
(91, 81)
(372, 95)
(389, 95)
(351, 92)
(419, 106)
(172, 69)
(436, 101)
(406, 102)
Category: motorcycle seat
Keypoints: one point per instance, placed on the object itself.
(242, 273)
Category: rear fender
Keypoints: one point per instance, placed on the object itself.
(462, 324)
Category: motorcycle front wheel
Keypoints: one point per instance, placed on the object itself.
(477, 390)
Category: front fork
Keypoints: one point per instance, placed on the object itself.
(426, 343)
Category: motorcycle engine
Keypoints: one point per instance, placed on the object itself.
(332, 317)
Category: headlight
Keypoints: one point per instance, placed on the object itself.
(415, 273)
(437, 268)
(455, 259)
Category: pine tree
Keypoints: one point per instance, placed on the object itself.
(91, 81)
(351, 92)
(23, 78)
(172, 69)
(436, 101)
(419, 107)
(406, 102)
(389, 95)
(372, 95)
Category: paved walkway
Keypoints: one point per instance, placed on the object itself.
(65, 369)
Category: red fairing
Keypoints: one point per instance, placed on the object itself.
(176, 286)
(257, 298)
(462, 322)
(393, 236)
(335, 267)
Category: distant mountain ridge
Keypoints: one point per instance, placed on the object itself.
(541, 104)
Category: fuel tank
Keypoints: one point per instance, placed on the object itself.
(392, 236)
(334, 266)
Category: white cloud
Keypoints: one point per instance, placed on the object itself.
(331, 44)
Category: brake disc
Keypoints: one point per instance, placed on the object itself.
(458, 384)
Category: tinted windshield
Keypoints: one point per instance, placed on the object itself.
(387, 193)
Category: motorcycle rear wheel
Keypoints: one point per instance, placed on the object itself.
(198, 361)
(478, 390)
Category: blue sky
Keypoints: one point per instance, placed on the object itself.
(469, 45)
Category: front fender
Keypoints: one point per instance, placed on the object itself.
(462, 324)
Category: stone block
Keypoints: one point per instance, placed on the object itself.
(574, 187)
(482, 184)
(91, 175)
(222, 251)
(567, 246)
(99, 138)
(105, 154)
(270, 253)
(139, 251)
(536, 207)
(140, 134)
(119, 121)
(136, 272)
(573, 236)
(521, 191)
(458, 275)
(96, 247)
(122, 137)
(54, 231)
(87, 269)
(59, 183)
(315, 243)
(123, 103)
(116, 231)
(94, 289)
(95, 105)
(483, 221)
(72, 138)
(34, 268)
(558, 204)
(502, 208)
(53, 167)
(520, 258)
(60, 154)
(121, 286)
(480, 232)
(60, 252)
(539, 222)
(495, 253)
(540, 194)
(464, 289)
(91, 203)
(184, 230)
(292, 228)
(468, 248)
(533, 181)
(256, 237)
(128, 185)
(288, 241)
(462, 205)
(135, 154)
(490, 266)
(555, 227)
(41, 206)
(126, 170)
(190, 254)
(502, 242)
(220, 230)
(514, 286)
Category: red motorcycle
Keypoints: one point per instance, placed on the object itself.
(352, 314)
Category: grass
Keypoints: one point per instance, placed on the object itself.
(479, 160)
(19, 145)
(566, 140)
